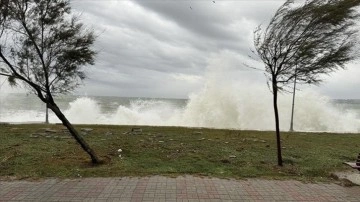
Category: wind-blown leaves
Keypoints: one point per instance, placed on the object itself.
(43, 46)
(317, 37)
(48, 46)
(304, 42)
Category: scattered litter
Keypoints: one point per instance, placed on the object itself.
(34, 136)
(136, 131)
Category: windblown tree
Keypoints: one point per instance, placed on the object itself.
(44, 47)
(305, 42)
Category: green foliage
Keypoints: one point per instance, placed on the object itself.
(44, 45)
(318, 37)
(12, 81)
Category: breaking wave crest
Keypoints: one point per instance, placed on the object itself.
(215, 107)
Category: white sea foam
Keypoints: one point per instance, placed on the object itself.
(226, 101)
(249, 107)
(240, 108)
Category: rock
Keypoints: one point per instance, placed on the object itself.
(136, 131)
(201, 139)
(48, 130)
(108, 133)
(161, 141)
(197, 133)
(232, 156)
(263, 141)
(34, 136)
(86, 129)
(352, 176)
(226, 142)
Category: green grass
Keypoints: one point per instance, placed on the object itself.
(172, 151)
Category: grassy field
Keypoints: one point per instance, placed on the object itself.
(33, 151)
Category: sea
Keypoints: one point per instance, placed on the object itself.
(211, 108)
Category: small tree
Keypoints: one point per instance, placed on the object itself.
(305, 42)
(44, 47)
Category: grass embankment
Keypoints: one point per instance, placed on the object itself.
(27, 151)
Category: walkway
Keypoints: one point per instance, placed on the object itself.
(158, 188)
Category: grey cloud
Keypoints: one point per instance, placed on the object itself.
(200, 18)
(143, 43)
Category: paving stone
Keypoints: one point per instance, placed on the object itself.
(183, 188)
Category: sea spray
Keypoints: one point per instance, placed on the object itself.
(147, 112)
(246, 107)
(84, 110)
(249, 107)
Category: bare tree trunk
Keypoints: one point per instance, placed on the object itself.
(46, 113)
(278, 141)
(293, 105)
(74, 133)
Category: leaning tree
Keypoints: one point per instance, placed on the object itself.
(304, 41)
(44, 47)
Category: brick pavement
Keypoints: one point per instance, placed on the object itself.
(185, 188)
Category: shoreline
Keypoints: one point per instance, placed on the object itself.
(188, 127)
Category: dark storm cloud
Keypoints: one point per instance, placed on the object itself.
(163, 48)
(154, 45)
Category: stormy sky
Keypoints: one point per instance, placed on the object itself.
(168, 48)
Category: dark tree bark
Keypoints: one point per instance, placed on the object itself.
(73, 132)
(277, 124)
(46, 114)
